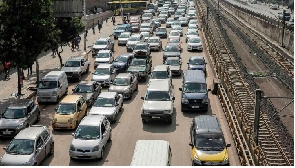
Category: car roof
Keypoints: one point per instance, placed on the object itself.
(104, 66)
(127, 32)
(103, 39)
(161, 68)
(154, 37)
(108, 94)
(71, 98)
(172, 44)
(135, 35)
(30, 132)
(123, 75)
(125, 55)
(196, 57)
(158, 85)
(174, 31)
(194, 76)
(104, 51)
(87, 82)
(78, 58)
(20, 103)
(206, 124)
(92, 119)
(195, 36)
(172, 58)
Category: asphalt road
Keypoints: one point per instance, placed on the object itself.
(129, 127)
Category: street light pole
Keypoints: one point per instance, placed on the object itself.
(283, 31)
(85, 34)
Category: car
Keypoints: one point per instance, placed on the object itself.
(191, 16)
(178, 14)
(146, 16)
(176, 23)
(193, 22)
(192, 11)
(206, 135)
(104, 57)
(146, 27)
(171, 10)
(183, 21)
(104, 74)
(162, 18)
(69, 112)
(122, 62)
(161, 72)
(174, 33)
(108, 104)
(102, 44)
(158, 101)
(161, 32)
(174, 64)
(274, 7)
(141, 67)
(17, 116)
(155, 43)
(179, 29)
(29, 147)
(135, 27)
(75, 67)
(169, 22)
(191, 33)
(153, 11)
(125, 84)
(197, 63)
(123, 38)
(141, 49)
(287, 16)
(134, 19)
(194, 43)
(176, 40)
(193, 28)
(90, 138)
(146, 35)
(156, 23)
(120, 29)
(135, 38)
(171, 50)
(89, 90)
(165, 12)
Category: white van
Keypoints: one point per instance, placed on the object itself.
(151, 153)
(52, 87)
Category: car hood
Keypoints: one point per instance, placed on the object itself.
(172, 54)
(102, 59)
(119, 31)
(63, 118)
(123, 39)
(87, 96)
(119, 89)
(85, 143)
(70, 69)
(212, 156)
(196, 67)
(160, 32)
(14, 160)
(194, 95)
(102, 110)
(137, 68)
(157, 105)
(99, 46)
(174, 67)
(154, 44)
(194, 44)
(100, 77)
(13, 123)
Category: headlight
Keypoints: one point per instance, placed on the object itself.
(167, 112)
(183, 100)
(196, 159)
(205, 100)
(21, 126)
(226, 161)
(127, 90)
(76, 72)
(145, 111)
(72, 147)
(54, 120)
(95, 148)
(70, 120)
(54, 93)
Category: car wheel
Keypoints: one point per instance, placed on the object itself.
(101, 154)
(57, 100)
(143, 121)
(110, 137)
(38, 117)
(79, 78)
(51, 149)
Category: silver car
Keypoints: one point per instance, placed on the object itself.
(146, 36)
(155, 43)
(135, 38)
(89, 90)
(108, 104)
(90, 138)
(123, 38)
(146, 27)
(29, 147)
(169, 22)
(174, 64)
(190, 34)
(103, 57)
(179, 29)
(194, 43)
(125, 84)
(104, 74)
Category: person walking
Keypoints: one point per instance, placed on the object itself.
(6, 69)
(77, 41)
(107, 20)
(93, 28)
(99, 26)
(30, 69)
(113, 20)
(73, 44)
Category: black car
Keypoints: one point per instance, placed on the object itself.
(122, 62)
(161, 32)
(171, 50)
(89, 90)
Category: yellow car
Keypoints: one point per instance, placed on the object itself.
(69, 112)
(207, 142)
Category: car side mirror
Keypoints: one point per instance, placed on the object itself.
(228, 145)
(180, 89)
(73, 89)
(38, 150)
(191, 144)
(142, 98)
(173, 98)
(5, 148)
(187, 63)
(209, 90)
(73, 134)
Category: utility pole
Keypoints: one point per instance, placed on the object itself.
(257, 114)
(37, 72)
(84, 11)
(207, 18)
(283, 31)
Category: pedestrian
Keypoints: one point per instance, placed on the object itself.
(77, 41)
(73, 44)
(99, 26)
(107, 20)
(93, 28)
(21, 76)
(30, 69)
(6, 69)
(113, 20)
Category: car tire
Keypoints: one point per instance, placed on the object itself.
(136, 89)
(51, 149)
(144, 121)
(101, 154)
(57, 100)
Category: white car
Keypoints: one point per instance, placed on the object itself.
(191, 33)
(191, 16)
(146, 36)
(135, 38)
(193, 28)
(194, 43)
(193, 22)
(104, 57)
(179, 29)
(174, 33)
(123, 38)
(169, 22)
(155, 43)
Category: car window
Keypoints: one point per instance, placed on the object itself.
(14, 113)
(121, 59)
(72, 64)
(87, 132)
(197, 61)
(102, 71)
(171, 49)
(159, 75)
(21, 147)
(104, 102)
(121, 82)
(39, 142)
(47, 84)
(209, 141)
(66, 108)
(45, 135)
(194, 88)
(102, 55)
(83, 89)
(157, 96)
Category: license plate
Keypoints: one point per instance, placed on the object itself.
(155, 117)
(62, 125)
(6, 132)
(195, 106)
(82, 154)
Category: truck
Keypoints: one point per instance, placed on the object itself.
(75, 67)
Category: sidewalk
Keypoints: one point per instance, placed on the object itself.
(47, 63)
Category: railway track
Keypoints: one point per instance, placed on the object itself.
(238, 87)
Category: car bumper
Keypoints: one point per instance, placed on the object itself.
(149, 117)
(63, 125)
(46, 99)
(85, 155)
(194, 107)
(122, 42)
(9, 132)
(195, 48)
(176, 72)
(155, 47)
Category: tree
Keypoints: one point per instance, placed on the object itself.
(27, 28)
(67, 28)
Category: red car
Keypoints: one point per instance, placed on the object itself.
(134, 20)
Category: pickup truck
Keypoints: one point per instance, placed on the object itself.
(75, 67)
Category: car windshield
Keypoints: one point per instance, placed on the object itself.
(104, 102)
(146, 15)
(47, 85)
(134, 25)
(172, 62)
(194, 40)
(145, 34)
(153, 41)
(191, 33)
(140, 47)
(138, 62)
(124, 36)
(102, 55)
(134, 39)
(192, 27)
(161, 30)
(196, 61)
(159, 75)
(87, 132)
(183, 19)
(121, 59)
(174, 41)
(83, 89)
(170, 20)
(72, 64)
(157, 96)
(193, 22)
(14, 113)
(99, 42)
(120, 28)
(121, 82)
(144, 26)
(66, 108)
(191, 14)
(102, 71)
(171, 49)
(21, 147)
(194, 88)
(174, 34)
(176, 28)
(176, 24)
(209, 141)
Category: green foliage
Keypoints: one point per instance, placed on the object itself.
(27, 28)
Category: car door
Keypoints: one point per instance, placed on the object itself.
(108, 128)
(40, 150)
(83, 105)
(34, 111)
(104, 136)
(30, 116)
(46, 137)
